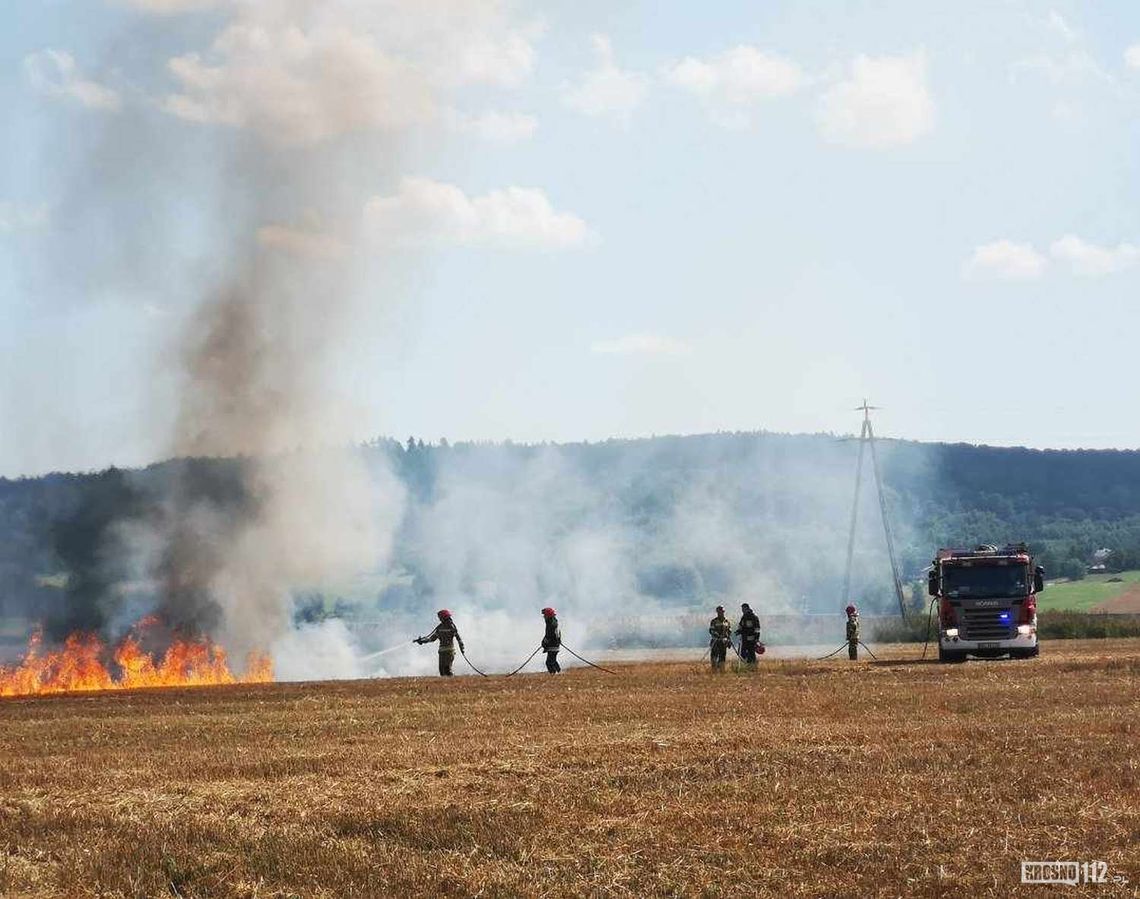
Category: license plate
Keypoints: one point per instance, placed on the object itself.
(989, 646)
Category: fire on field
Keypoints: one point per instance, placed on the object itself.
(145, 657)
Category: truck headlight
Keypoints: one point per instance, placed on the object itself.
(951, 632)
(1025, 630)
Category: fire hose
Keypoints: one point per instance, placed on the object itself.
(843, 646)
(587, 661)
(472, 666)
(705, 654)
(524, 664)
(868, 648)
(563, 646)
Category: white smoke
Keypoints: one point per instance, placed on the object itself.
(626, 541)
(324, 651)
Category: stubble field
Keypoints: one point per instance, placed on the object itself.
(805, 778)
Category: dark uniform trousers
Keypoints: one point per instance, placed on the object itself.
(853, 639)
(720, 630)
(749, 631)
(448, 635)
(551, 643)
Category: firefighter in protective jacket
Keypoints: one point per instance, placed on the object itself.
(852, 633)
(448, 635)
(720, 636)
(749, 632)
(551, 640)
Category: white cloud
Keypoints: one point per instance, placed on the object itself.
(21, 217)
(1132, 57)
(1074, 68)
(885, 103)
(493, 126)
(642, 344)
(731, 84)
(301, 73)
(300, 242)
(1006, 261)
(294, 86)
(499, 59)
(606, 90)
(425, 212)
(55, 73)
(1091, 260)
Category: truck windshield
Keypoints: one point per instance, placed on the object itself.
(985, 580)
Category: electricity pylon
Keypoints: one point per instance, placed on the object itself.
(867, 441)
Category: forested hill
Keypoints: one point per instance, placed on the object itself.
(682, 518)
(1067, 504)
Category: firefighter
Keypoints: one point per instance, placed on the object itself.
(852, 633)
(448, 635)
(720, 634)
(551, 640)
(749, 632)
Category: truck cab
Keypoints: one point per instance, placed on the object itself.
(987, 602)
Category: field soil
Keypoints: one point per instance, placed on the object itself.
(802, 779)
(1128, 601)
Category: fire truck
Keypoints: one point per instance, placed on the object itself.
(987, 602)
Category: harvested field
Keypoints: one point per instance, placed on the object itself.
(805, 779)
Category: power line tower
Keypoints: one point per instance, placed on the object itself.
(867, 441)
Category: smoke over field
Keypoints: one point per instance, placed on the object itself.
(621, 532)
(632, 542)
(261, 239)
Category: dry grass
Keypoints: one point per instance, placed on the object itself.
(804, 779)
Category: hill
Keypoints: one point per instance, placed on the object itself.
(622, 524)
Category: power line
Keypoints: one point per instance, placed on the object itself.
(867, 441)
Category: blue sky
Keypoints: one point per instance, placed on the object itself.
(566, 221)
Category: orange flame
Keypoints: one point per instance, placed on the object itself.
(79, 665)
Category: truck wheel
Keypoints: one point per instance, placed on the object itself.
(952, 656)
(1027, 653)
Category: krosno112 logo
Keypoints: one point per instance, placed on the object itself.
(1069, 873)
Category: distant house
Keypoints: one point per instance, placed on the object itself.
(1099, 561)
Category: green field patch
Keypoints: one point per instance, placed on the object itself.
(1082, 595)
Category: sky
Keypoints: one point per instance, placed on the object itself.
(580, 220)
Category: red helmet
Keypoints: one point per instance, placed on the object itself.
(443, 613)
(548, 612)
(851, 610)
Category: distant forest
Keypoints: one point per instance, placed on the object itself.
(762, 494)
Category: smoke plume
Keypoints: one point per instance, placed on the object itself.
(306, 108)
